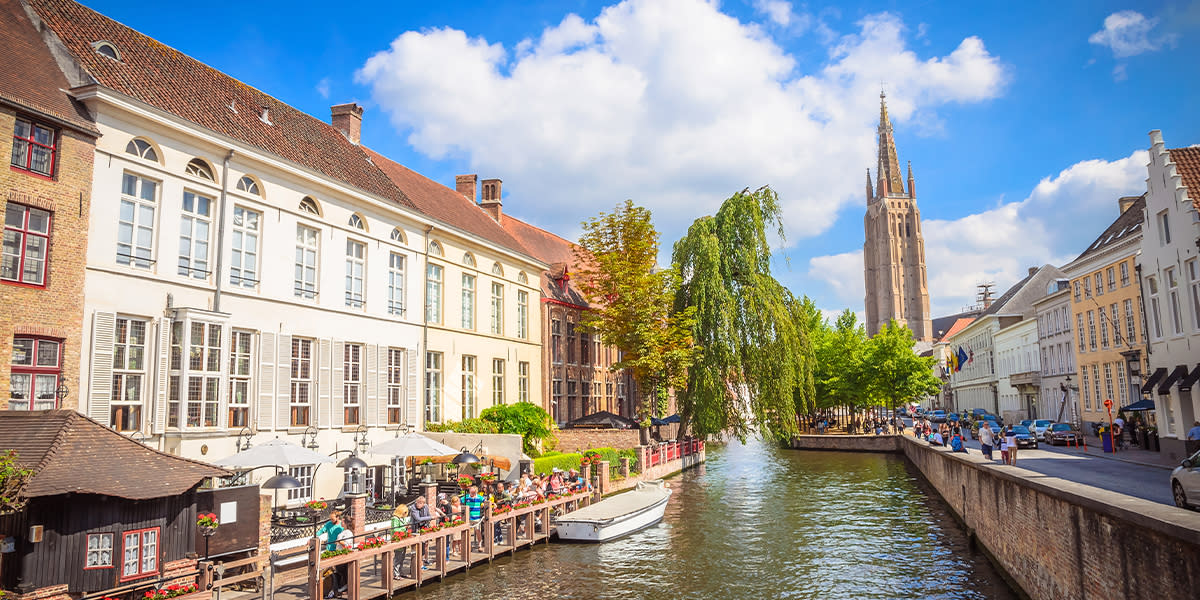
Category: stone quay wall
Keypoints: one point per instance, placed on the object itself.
(1056, 539)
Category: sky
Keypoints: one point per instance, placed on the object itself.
(1024, 122)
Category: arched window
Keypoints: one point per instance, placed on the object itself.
(522, 277)
(141, 149)
(309, 205)
(197, 167)
(356, 221)
(398, 235)
(498, 270)
(469, 259)
(249, 185)
(106, 48)
(435, 248)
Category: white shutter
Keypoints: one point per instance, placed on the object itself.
(412, 415)
(283, 367)
(324, 402)
(265, 407)
(104, 325)
(339, 386)
(376, 386)
(164, 366)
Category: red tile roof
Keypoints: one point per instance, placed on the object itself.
(70, 453)
(1187, 164)
(958, 326)
(552, 250)
(29, 77)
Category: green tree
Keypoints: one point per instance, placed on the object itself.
(526, 419)
(894, 373)
(630, 300)
(754, 369)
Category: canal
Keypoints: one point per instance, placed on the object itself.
(761, 522)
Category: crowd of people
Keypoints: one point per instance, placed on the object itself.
(990, 440)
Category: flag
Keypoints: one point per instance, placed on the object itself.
(971, 359)
(951, 363)
(962, 358)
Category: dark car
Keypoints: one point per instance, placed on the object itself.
(939, 416)
(1025, 437)
(1062, 433)
(991, 419)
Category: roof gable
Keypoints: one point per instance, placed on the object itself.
(553, 250)
(29, 75)
(1187, 164)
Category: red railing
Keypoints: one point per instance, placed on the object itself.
(667, 451)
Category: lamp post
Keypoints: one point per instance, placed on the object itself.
(62, 392)
(309, 434)
(242, 443)
(354, 464)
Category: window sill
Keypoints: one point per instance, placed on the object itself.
(31, 173)
(196, 433)
(35, 286)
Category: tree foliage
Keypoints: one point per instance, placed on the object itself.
(896, 373)
(631, 300)
(754, 369)
(526, 419)
(13, 478)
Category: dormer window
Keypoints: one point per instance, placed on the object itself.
(197, 167)
(357, 222)
(106, 48)
(310, 206)
(249, 185)
(141, 149)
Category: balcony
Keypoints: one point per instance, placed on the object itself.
(1027, 378)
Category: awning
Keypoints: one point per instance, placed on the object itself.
(1143, 404)
(1180, 372)
(1159, 373)
(1190, 380)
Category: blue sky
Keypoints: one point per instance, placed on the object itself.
(1023, 121)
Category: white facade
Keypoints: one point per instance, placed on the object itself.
(1017, 353)
(975, 385)
(1169, 269)
(1057, 399)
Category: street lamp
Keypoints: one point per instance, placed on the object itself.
(62, 392)
(242, 443)
(310, 434)
(354, 464)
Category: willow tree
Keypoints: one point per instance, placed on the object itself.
(754, 369)
(631, 301)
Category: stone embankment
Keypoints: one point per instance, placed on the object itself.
(1053, 538)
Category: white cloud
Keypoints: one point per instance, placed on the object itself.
(778, 11)
(323, 88)
(1128, 33)
(669, 102)
(1001, 243)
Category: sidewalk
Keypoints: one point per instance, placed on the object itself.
(1132, 454)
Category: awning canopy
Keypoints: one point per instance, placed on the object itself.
(602, 420)
(1143, 404)
(1158, 374)
(1180, 372)
(1190, 380)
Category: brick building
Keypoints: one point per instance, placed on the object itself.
(46, 196)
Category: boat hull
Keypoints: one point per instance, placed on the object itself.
(604, 530)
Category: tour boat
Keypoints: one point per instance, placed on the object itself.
(617, 516)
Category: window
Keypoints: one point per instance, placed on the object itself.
(433, 293)
(497, 269)
(1122, 389)
(308, 244)
(1108, 381)
(356, 266)
(243, 267)
(1086, 390)
(368, 479)
(129, 373)
(1155, 315)
(556, 341)
(1096, 385)
(1077, 290)
(249, 185)
(522, 278)
(1103, 329)
(105, 48)
(36, 367)
(1173, 298)
(1164, 229)
(395, 284)
(1091, 319)
(352, 382)
(193, 235)
(26, 244)
(497, 381)
(468, 301)
(197, 167)
(523, 382)
(571, 343)
(585, 347)
(469, 260)
(1130, 330)
(1099, 277)
(309, 205)
(523, 314)
(141, 149)
(34, 147)
(433, 387)
(135, 224)
(397, 235)
(556, 391)
(1110, 273)
(140, 553)
(498, 308)
(203, 374)
(239, 378)
(1124, 267)
(99, 551)
(300, 399)
(435, 248)
(303, 474)
(1193, 270)
(357, 222)
(395, 386)
(468, 387)
(1087, 287)
(1079, 328)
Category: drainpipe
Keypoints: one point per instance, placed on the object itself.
(425, 329)
(221, 230)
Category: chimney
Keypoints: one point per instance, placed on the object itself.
(465, 184)
(347, 118)
(1032, 270)
(1125, 202)
(490, 201)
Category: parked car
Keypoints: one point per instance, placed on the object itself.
(1027, 423)
(1062, 433)
(995, 425)
(952, 417)
(978, 412)
(1185, 482)
(1040, 427)
(939, 416)
(1025, 438)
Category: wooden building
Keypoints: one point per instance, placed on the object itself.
(102, 510)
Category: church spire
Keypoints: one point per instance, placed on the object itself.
(912, 188)
(889, 165)
(870, 192)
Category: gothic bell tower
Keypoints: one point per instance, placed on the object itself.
(894, 247)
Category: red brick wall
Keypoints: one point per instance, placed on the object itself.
(574, 440)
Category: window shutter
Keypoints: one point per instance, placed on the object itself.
(370, 411)
(283, 366)
(339, 390)
(265, 407)
(413, 411)
(104, 325)
(164, 352)
(321, 416)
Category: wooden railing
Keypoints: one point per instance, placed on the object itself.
(668, 451)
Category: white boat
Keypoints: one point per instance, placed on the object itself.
(617, 516)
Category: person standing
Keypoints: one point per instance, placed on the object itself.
(986, 439)
(401, 522)
(1010, 438)
(333, 532)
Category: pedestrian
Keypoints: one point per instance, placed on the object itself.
(1003, 448)
(334, 533)
(986, 439)
(1194, 432)
(1010, 438)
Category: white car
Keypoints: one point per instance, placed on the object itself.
(1040, 427)
(1185, 482)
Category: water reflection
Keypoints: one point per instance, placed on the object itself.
(758, 522)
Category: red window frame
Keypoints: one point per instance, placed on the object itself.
(34, 369)
(25, 232)
(31, 143)
(112, 551)
(141, 554)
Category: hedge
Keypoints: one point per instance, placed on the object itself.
(550, 460)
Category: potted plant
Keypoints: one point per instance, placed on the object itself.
(207, 522)
(465, 482)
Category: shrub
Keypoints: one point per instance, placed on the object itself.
(465, 426)
(565, 462)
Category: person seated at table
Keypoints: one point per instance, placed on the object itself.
(936, 439)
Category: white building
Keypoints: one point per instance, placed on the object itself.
(1169, 270)
(1058, 394)
(1018, 370)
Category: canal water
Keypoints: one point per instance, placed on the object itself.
(758, 522)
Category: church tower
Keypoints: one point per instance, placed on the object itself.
(894, 250)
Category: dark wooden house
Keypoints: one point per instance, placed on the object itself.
(102, 510)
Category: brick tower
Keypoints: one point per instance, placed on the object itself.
(894, 250)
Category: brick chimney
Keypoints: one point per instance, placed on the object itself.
(1125, 202)
(347, 118)
(465, 184)
(490, 201)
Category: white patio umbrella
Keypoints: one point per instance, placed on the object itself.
(411, 444)
(275, 452)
